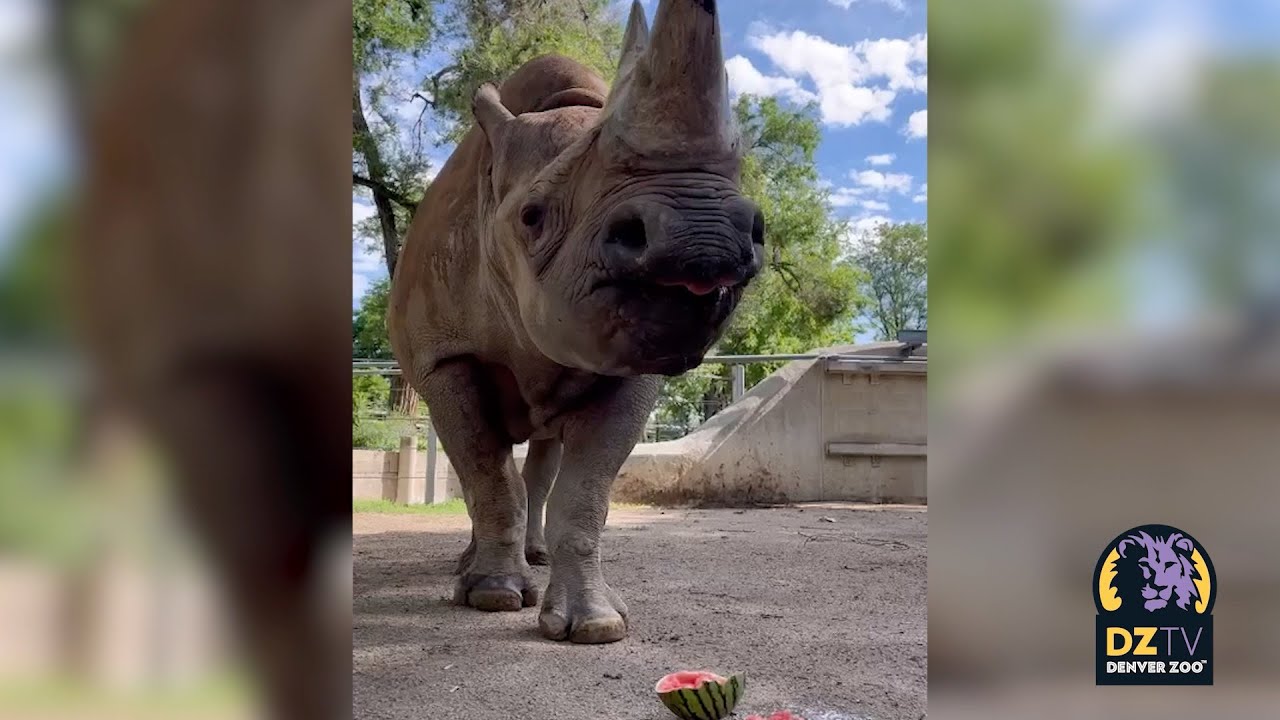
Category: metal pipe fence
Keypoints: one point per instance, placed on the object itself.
(385, 408)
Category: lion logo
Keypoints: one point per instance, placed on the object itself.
(1156, 568)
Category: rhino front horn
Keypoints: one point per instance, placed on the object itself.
(671, 98)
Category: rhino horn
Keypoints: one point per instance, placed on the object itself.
(671, 97)
(634, 41)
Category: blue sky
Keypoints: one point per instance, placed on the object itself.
(34, 158)
(862, 61)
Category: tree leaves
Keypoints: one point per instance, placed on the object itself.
(895, 258)
(807, 295)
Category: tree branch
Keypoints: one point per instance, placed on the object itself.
(419, 96)
(788, 275)
(388, 193)
(434, 80)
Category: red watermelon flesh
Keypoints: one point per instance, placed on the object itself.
(699, 694)
(690, 679)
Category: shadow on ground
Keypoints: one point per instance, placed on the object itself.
(826, 618)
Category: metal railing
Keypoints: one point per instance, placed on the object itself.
(385, 411)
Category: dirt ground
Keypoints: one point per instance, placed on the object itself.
(823, 606)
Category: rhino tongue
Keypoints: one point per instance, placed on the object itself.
(699, 287)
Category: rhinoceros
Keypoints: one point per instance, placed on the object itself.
(580, 243)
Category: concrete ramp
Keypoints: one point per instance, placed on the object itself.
(850, 425)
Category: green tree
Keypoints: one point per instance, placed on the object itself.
(369, 339)
(895, 259)
(1032, 195)
(807, 296)
(33, 298)
(385, 33)
(494, 37)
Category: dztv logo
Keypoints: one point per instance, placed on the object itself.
(1154, 588)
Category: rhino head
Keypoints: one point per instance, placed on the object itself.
(619, 231)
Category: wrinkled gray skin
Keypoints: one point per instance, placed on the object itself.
(578, 245)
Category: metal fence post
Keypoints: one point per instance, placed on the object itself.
(739, 381)
(437, 486)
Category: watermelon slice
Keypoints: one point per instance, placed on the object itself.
(700, 695)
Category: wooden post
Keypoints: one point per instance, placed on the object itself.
(739, 381)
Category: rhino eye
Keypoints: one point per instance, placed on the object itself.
(531, 216)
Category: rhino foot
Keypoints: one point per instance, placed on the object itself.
(582, 612)
(496, 593)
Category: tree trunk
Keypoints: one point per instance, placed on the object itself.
(367, 146)
(404, 401)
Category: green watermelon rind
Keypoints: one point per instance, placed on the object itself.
(709, 701)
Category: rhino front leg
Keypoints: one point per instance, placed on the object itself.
(540, 467)
(579, 605)
(493, 573)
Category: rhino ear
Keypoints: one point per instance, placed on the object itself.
(491, 114)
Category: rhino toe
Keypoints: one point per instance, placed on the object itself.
(582, 613)
(605, 629)
(496, 593)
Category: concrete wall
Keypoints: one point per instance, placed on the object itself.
(814, 430)
(868, 412)
(374, 474)
(379, 475)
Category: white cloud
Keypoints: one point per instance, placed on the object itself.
(882, 182)
(885, 159)
(850, 105)
(35, 155)
(896, 60)
(22, 23)
(924, 194)
(800, 54)
(359, 286)
(846, 196)
(875, 206)
(846, 4)
(366, 262)
(841, 73)
(745, 78)
(918, 124)
(861, 227)
(361, 211)
(1151, 74)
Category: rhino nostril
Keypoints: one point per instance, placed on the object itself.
(628, 233)
(757, 228)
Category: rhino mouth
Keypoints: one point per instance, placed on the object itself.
(669, 326)
(676, 302)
